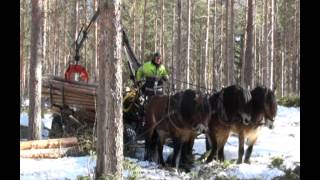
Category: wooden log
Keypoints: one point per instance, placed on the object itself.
(49, 143)
(74, 82)
(46, 92)
(71, 89)
(55, 85)
(83, 86)
(49, 153)
(74, 99)
(72, 103)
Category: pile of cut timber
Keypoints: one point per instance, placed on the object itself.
(51, 148)
(70, 93)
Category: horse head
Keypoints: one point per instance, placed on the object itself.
(270, 107)
(264, 102)
(195, 109)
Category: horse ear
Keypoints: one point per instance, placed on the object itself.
(215, 91)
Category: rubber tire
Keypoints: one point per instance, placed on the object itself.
(56, 127)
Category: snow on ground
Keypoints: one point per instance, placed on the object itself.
(283, 141)
(46, 123)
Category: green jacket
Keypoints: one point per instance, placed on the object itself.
(148, 69)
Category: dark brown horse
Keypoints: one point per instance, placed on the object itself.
(262, 109)
(180, 117)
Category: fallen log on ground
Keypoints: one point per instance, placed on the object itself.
(49, 143)
(49, 153)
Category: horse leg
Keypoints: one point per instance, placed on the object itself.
(160, 150)
(252, 141)
(186, 155)
(150, 147)
(241, 147)
(147, 150)
(160, 143)
(214, 144)
(248, 154)
(187, 151)
(223, 138)
(221, 154)
(208, 143)
(176, 153)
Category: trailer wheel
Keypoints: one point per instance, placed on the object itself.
(129, 134)
(56, 127)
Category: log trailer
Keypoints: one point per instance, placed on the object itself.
(73, 98)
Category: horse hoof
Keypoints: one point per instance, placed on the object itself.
(186, 167)
(247, 161)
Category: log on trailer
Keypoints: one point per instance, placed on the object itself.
(69, 93)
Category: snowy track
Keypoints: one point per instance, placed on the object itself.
(283, 141)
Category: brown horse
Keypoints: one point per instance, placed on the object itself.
(179, 117)
(262, 109)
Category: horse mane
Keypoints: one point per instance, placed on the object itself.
(261, 97)
(235, 100)
(272, 101)
(188, 104)
(258, 99)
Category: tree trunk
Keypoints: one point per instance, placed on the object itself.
(226, 44)
(295, 51)
(22, 65)
(178, 46)
(95, 40)
(142, 57)
(248, 49)
(272, 54)
(297, 58)
(257, 56)
(254, 55)
(173, 72)
(65, 46)
(188, 42)
(222, 47)
(200, 61)
(73, 25)
(162, 52)
(231, 46)
(35, 70)
(206, 53)
(134, 26)
(48, 59)
(57, 18)
(264, 46)
(110, 127)
(54, 40)
(219, 45)
(156, 32)
(214, 53)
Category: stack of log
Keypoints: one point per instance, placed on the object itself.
(70, 93)
(51, 148)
